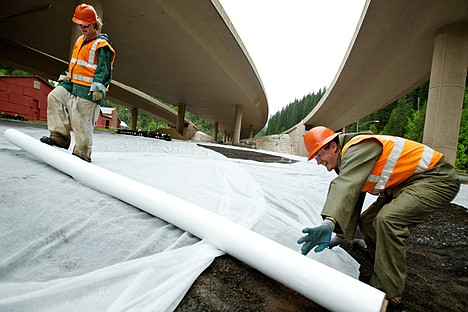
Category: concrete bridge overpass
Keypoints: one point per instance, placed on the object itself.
(185, 53)
(397, 46)
(188, 54)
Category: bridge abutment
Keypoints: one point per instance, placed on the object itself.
(446, 89)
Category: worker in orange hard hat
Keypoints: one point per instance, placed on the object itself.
(412, 181)
(85, 15)
(74, 104)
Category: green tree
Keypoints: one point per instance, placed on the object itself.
(415, 126)
(373, 128)
(9, 71)
(292, 113)
(399, 118)
(462, 150)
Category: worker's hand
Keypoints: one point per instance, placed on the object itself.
(319, 235)
(97, 96)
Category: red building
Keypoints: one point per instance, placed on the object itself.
(25, 98)
(108, 118)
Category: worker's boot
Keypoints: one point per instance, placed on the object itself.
(56, 139)
(394, 304)
(82, 151)
(84, 157)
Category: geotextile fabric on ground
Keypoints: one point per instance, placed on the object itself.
(68, 247)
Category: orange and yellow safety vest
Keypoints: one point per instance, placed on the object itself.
(84, 61)
(400, 159)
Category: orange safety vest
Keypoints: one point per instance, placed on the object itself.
(400, 159)
(84, 61)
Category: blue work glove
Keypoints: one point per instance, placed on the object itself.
(320, 235)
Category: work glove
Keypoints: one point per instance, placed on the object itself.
(97, 96)
(64, 76)
(319, 236)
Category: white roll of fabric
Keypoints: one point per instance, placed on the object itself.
(331, 289)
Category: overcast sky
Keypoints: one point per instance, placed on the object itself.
(297, 45)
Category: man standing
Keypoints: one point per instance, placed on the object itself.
(74, 104)
(411, 179)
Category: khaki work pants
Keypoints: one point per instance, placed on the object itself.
(67, 112)
(386, 224)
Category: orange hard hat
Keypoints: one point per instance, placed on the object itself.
(85, 14)
(318, 137)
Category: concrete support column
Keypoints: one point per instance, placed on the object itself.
(115, 118)
(215, 132)
(133, 121)
(297, 137)
(446, 90)
(237, 125)
(189, 131)
(251, 135)
(225, 136)
(181, 118)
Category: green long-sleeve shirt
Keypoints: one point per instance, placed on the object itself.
(102, 76)
(344, 199)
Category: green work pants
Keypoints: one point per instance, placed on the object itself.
(387, 223)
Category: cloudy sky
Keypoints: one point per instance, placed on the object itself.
(297, 45)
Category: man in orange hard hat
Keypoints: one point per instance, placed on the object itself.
(411, 179)
(74, 103)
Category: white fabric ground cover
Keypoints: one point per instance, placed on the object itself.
(68, 247)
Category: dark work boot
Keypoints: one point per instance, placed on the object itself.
(52, 142)
(83, 157)
(62, 141)
(48, 141)
(56, 140)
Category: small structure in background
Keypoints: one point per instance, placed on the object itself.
(108, 118)
(25, 98)
(123, 125)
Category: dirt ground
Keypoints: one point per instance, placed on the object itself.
(437, 270)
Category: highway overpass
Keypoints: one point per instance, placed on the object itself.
(397, 46)
(188, 54)
(185, 53)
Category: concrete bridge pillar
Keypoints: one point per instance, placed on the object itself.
(225, 136)
(133, 120)
(446, 89)
(181, 118)
(297, 140)
(237, 125)
(215, 132)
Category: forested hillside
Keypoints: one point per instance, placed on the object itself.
(291, 114)
(404, 118)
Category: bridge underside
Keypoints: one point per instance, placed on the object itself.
(185, 54)
(399, 45)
